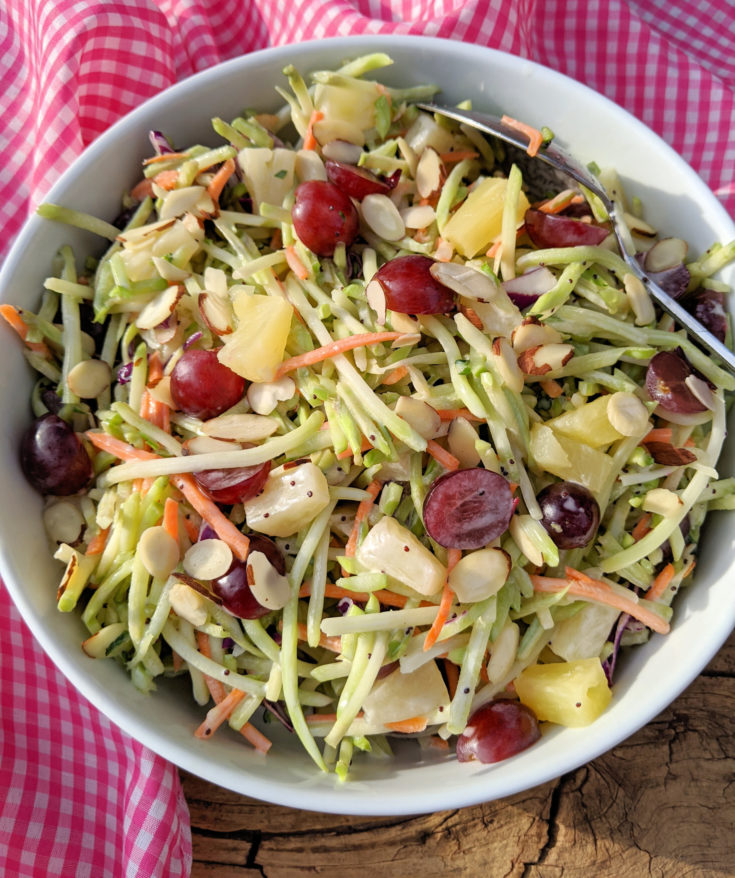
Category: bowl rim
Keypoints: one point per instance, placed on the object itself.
(340, 800)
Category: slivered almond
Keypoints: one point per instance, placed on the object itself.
(160, 308)
(177, 202)
(545, 358)
(241, 427)
(428, 172)
(701, 390)
(465, 280)
(381, 214)
(170, 272)
(265, 396)
(533, 333)
(216, 313)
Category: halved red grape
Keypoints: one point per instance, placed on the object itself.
(52, 457)
(236, 595)
(202, 386)
(236, 485)
(498, 730)
(665, 382)
(571, 515)
(468, 509)
(555, 230)
(708, 306)
(323, 216)
(357, 182)
(411, 288)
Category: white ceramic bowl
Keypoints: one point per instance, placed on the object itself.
(648, 679)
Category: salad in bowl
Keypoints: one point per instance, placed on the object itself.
(365, 431)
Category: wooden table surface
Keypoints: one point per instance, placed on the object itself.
(661, 804)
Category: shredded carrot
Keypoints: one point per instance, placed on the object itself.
(167, 179)
(551, 388)
(177, 660)
(582, 586)
(642, 526)
(97, 544)
(276, 241)
(535, 137)
(216, 689)
(171, 517)
(226, 170)
(441, 455)
(191, 528)
(210, 512)
(451, 414)
(146, 484)
(12, 316)
(333, 349)
(364, 446)
(105, 442)
(295, 264)
(333, 644)
(219, 713)
(658, 434)
(495, 249)
(327, 717)
(385, 597)
(256, 738)
(660, 583)
(452, 672)
(363, 510)
(411, 725)
(143, 189)
(310, 142)
(560, 202)
(166, 157)
(445, 604)
(395, 375)
(458, 155)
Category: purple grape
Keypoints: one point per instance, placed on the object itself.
(202, 386)
(708, 306)
(52, 458)
(571, 515)
(411, 288)
(235, 592)
(665, 382)
(496, 731)
(468, 509)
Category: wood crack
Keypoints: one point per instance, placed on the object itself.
(552, 826)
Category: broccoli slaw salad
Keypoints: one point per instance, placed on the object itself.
(361, 434)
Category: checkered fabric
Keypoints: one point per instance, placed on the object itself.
(81, 798)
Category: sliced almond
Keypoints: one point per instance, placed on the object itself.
(188, 604)
(63, 522)
(141, 233)
(170, 272)
(544, 358)
(216, 313)
(161, 392)
(89, 378)
(241, 427)
(382, 216)
(264, 396)
(208, 559)
(503, 652)
(376, 299)
(159, 551)
(465, 280)
(177, 202)
(479, 575)
(627, 413)
(405, 340)
(523, 541)
(461, 439)
(420, 415)
(665, 253)
(507, 364)
(342, 151)
(419, 216)
(403, 323)
(270, 589)
(532, 333)
(160, 308)
(207, 445)
(701, 390)
(428, 172)
(662, 502)
(639, 299)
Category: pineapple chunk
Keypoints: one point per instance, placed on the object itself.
(354, 106)
(588, 423)
(392, 549)
(569, 459)
(477, 222)
(291, 498)
(268, 174)
(255, 349)
(572, 694)
(585, 633)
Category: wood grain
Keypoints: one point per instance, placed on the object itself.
(661, 804)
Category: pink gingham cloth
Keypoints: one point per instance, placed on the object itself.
(80, 798)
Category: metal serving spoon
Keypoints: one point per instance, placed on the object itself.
(563, 162)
